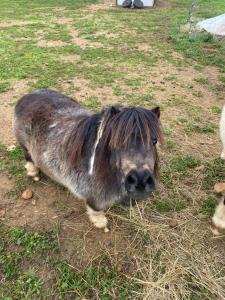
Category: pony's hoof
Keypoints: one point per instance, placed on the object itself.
(32, 170)
(97, 218)
(222, 155)
(215, 230)
(99, 221)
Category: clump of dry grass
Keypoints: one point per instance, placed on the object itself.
(177, 256)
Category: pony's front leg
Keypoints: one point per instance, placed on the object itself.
(97, 218)
(219, 217)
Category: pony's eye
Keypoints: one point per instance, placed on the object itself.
(154, 141)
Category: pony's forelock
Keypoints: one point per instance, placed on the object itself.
(127, 128)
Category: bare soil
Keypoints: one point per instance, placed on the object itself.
(7, 103)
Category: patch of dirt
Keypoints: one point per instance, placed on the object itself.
(52, 206)
(63, 20)
(7, 109)
(59, 9)
(16, 23)
(81, 42)
(6, 186)
(71, 58)
(103, 5)
(45, 43)
(145, 48)
(39, 33)
(108, 35)
(85, 89)
(164, 4)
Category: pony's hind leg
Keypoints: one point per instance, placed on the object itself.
(32, 170)
(97, 218)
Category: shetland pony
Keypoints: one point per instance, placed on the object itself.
(102, 158)
(219, 215)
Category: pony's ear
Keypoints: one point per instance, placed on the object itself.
(109, 112)
(156, 111)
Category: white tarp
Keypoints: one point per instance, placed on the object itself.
(214, 25)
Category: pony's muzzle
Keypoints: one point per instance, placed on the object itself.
(139, 183)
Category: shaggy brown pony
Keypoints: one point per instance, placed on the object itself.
(103, 157)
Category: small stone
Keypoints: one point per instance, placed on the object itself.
(33, 202)
(106, 229)
(119, 268)
(200, 168)
(27, 194)
(54, 217)
(173, 223)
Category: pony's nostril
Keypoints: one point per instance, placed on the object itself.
(131, 182)
(131, 179)
(150, 181)
(140, 181)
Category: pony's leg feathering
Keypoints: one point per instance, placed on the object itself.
(97, 218)
(32, 170)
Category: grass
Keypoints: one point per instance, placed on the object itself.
(144, 58)
(19, 249)
(213, 172)
(4, 86)
(201, 80)
(107, 281)
(209, 128)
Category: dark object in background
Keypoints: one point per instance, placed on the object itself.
(127, 3)
(138, 4)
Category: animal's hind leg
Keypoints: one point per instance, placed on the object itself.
(32, 170)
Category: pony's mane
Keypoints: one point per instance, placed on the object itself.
(83, 135)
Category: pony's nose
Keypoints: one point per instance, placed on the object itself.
(139, 181)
